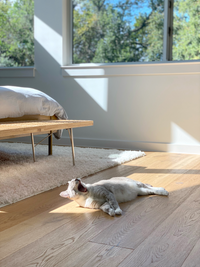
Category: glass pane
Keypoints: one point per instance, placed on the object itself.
(16, 33)
(107, 31)
(186, 30)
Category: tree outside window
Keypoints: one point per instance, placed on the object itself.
(17, 33)
(186, 30)
(109, 31)
(117, 31)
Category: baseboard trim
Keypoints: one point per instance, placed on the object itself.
(117, 144)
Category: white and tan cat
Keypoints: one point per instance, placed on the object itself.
(106, 194)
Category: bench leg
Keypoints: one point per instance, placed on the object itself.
(50, 143)
(72, 144)
(33, 146)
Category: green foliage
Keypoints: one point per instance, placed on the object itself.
(118, 31)
(132, 30)
(16, 35)
(105, 31)
(186, 37)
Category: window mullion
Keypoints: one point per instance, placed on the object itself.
(168, 30)
(67, 32)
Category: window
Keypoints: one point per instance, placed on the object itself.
(111, 31)
(16, 34)
(108, 31)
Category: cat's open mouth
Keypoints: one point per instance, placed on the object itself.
(81, 188)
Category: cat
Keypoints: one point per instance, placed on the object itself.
(106, 194)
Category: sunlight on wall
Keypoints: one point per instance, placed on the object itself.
(49, 39)
(179, 136)
(97, 88)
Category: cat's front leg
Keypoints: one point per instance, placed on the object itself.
(107, 209)
(111, 205)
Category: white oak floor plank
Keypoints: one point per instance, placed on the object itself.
(68, 237)
(93, 255)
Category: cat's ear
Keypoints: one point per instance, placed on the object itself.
(64, 194)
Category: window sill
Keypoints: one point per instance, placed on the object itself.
(17, 72)
(129, 69)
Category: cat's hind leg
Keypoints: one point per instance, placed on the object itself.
(146, 189)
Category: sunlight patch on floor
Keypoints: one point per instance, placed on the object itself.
(72, 207)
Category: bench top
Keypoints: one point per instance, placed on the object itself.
(17, 128)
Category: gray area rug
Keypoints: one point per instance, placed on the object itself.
(20, 177)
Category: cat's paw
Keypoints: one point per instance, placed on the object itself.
(163, 192)
(111, 212)
(118, 211)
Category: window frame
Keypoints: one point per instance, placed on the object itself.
(68, 35)
(17, 72)
(68, 39)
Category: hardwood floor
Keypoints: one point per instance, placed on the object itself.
(47, 230)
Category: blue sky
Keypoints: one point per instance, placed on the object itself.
(142, 8)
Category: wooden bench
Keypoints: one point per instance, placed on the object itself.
(23, 126)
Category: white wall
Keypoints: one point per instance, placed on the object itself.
(147, 107)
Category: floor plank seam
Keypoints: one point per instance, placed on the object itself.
(112, 246)
(189, 253)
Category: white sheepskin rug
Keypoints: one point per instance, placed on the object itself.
(20, 177)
